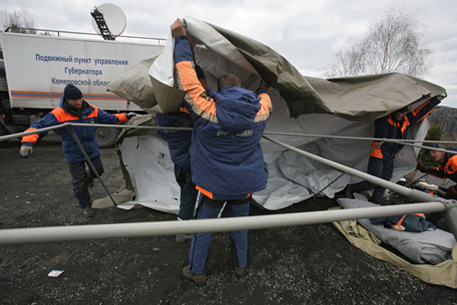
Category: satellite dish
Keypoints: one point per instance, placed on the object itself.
(108, 20)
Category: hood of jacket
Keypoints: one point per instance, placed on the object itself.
(236, 108)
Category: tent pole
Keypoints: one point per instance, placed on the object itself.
(160, 228)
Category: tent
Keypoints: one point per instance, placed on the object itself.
(317, 111)
(302, 105)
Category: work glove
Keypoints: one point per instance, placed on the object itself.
(451, 193)
(130, 114)
(25, 151)
(452, 189)
(420, 167)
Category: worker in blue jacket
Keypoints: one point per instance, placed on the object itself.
(226, 157)
(76, 110)
(179, 145)
(382, 158)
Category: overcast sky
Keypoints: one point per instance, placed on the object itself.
(307, 33)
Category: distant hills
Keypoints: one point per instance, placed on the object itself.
(447, 118)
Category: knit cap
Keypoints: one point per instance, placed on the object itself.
(71, 92)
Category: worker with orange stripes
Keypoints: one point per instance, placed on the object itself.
(76, 110)
(226, 158)
(382, 158)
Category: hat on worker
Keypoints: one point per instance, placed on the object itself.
(437, 145)
(71, 92)
(404, 109)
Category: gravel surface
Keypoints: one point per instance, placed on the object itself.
(311, 264)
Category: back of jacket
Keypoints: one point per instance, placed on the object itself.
(227, 160)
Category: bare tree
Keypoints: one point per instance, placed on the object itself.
(17, 20)
(393, 44)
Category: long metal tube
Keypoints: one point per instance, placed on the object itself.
(26, 133)
(15, 236)
(146, 229)
(403, 141)
(414, 194)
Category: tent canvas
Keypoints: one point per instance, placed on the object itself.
(345, 106)
(301, 105)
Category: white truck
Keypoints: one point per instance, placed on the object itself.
(38, 67)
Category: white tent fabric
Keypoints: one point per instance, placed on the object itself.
(292, 178)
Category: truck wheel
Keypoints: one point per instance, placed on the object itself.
(106, 137)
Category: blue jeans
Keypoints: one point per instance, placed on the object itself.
(199, 246)
(188, 192)
(81, 179)
(382, 168)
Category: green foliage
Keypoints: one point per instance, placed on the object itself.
(435, 133)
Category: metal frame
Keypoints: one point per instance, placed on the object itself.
(71, 233)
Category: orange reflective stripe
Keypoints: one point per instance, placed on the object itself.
(31, 137)
(377, 153)
(205, 192)
(266, 108)
(265, 102)
(121, 116)
(398, 225)
(391, 122)
(415, 112)
(184, 109)
(405, 125)
(201, 104)
(94, 113)
(63, 116)
(451, 165)
(210, 194)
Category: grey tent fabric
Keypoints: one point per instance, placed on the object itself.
(432, 247)
(353, 98)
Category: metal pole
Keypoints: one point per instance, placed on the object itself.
(146, 229)
(341, 175)
(70, 128)
(26, 133)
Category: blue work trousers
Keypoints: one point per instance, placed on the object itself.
(382, 168)
(188, 192)
(199, 246)
(81, 179)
